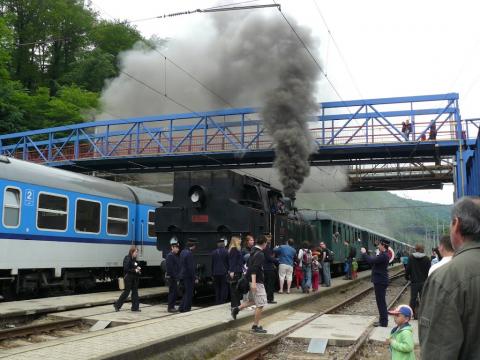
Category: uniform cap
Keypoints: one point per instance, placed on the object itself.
(192, 241)
(173, 241)
(405, 310)
(384, 242)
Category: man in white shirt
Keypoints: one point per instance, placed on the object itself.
(446, 250)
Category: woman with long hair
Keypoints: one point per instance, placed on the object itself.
(131, 273)
(235, 269)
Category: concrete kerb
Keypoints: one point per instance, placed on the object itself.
(162, 345)
(57, 308)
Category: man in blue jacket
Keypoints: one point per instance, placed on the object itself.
(219, 271)
(172, 276)
(187, 275)
(379, 278)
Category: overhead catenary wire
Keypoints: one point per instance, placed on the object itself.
(309, 52)
(208, 10)
(338, 49)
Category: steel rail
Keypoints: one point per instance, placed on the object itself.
(259, 350)
(32, 329)
(365, 335)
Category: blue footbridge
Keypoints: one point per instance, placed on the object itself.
(365, 135)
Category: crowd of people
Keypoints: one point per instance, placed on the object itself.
(264, 268)
(445, 289)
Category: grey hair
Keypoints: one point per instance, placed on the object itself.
(467, 210)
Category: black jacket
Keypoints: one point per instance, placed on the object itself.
(187, 264)
(129, 266)
(255, 265)
(417, 268)
(235, 261)
(219, 262)
(379, 267)
(270, 261)
(173, 266)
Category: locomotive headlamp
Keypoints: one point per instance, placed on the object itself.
(195, 197)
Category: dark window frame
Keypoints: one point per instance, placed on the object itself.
(45, 210)
(99, 218)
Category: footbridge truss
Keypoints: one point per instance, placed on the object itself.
(365, 135)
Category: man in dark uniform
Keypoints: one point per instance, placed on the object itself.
(379, 278)
(172, 276)
(187, 275)
(219, 271)
(269, 270)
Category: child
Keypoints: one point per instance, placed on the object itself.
(298, 273)
(401, 336)
(315, 272)
(354, 268)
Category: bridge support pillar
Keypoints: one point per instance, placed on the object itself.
(467, 175)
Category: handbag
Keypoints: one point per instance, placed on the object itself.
(243, 285)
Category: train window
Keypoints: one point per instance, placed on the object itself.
(251, 197)
(87, 216)
(117, 220)
(52, 212)
(151, 224)
(11, 207)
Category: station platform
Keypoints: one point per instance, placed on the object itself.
(60, 303)
(149, 337)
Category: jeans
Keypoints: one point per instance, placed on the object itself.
(307, 278)
(327, 278)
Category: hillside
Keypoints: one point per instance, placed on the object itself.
(407, 223)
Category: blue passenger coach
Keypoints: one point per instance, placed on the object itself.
(60, 228)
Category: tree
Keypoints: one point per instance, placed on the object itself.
(114, 37)
(91, 71)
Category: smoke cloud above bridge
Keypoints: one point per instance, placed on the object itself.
(239, 59)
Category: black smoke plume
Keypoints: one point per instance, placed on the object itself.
(285, 115)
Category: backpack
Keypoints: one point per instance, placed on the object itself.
(329, 255)
(307, 257)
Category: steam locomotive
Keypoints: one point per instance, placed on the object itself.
(214, 205)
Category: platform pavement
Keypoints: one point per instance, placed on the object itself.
(150, 337)
(61, 303)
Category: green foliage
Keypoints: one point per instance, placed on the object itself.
(55, 56)
(114, 37)
(91, 71)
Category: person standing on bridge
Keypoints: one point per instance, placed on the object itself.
(187, 275)
(449, 313)
(406, 129)
(379, 278)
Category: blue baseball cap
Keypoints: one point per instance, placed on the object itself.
(405, 310)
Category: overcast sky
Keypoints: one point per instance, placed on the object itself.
(390, 48)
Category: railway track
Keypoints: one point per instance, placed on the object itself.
(35, 333)
(262, 349)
